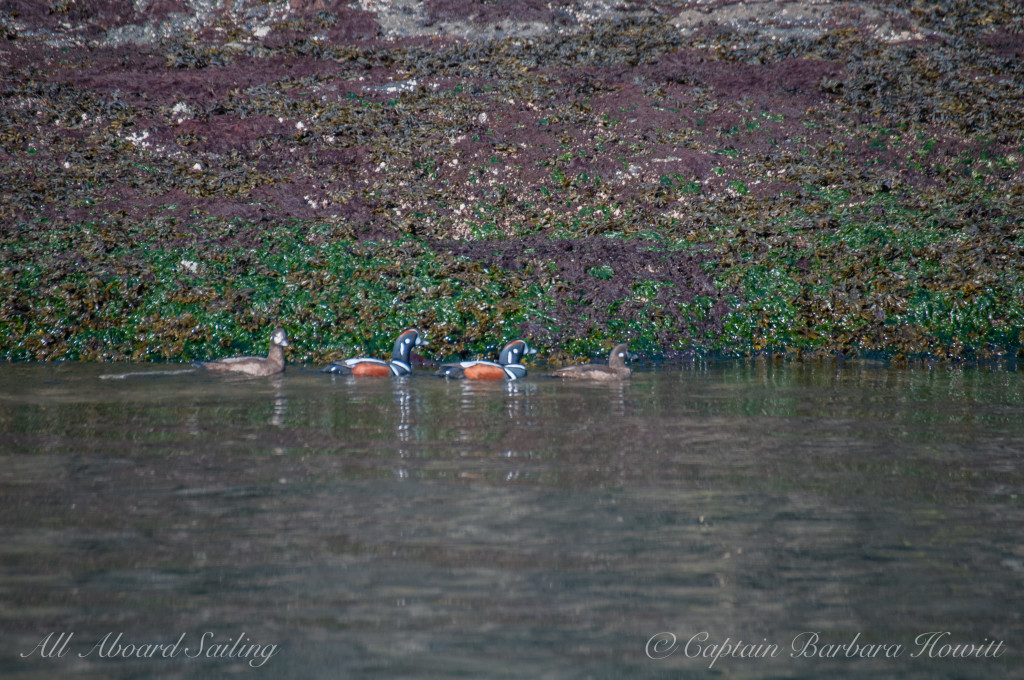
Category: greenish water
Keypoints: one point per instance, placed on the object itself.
(424, 528)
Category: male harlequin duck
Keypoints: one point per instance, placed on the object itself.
(615, 370)
(398, 366)
(272, 364)
(509, 366)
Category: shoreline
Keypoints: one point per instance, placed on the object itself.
(791, 178)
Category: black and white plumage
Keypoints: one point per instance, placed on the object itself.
(509, 367)
(371, 367)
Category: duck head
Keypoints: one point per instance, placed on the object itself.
(279, 337)
(405, 344)
(514, 352)
(620, 354)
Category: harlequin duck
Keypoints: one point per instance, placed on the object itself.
(615, 370)
(398, 366)
(509, 366)
(272, 364)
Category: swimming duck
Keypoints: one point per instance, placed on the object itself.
(398, 366)
(509, 366)
(615, 370)
(272, 364)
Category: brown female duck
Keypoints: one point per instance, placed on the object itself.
(616, 368)
(272, 364)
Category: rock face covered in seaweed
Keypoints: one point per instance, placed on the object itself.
(801, 177)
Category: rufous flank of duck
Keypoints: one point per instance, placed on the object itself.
(378, 368)
(509, 366)
(272, 364)
(615, 369)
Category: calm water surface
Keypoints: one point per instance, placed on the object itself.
(423, 528)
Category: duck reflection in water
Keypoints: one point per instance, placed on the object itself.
(279, 405)
(405, 428)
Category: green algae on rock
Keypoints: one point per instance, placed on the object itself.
(692, 179)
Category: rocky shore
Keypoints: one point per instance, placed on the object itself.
(793, 178)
